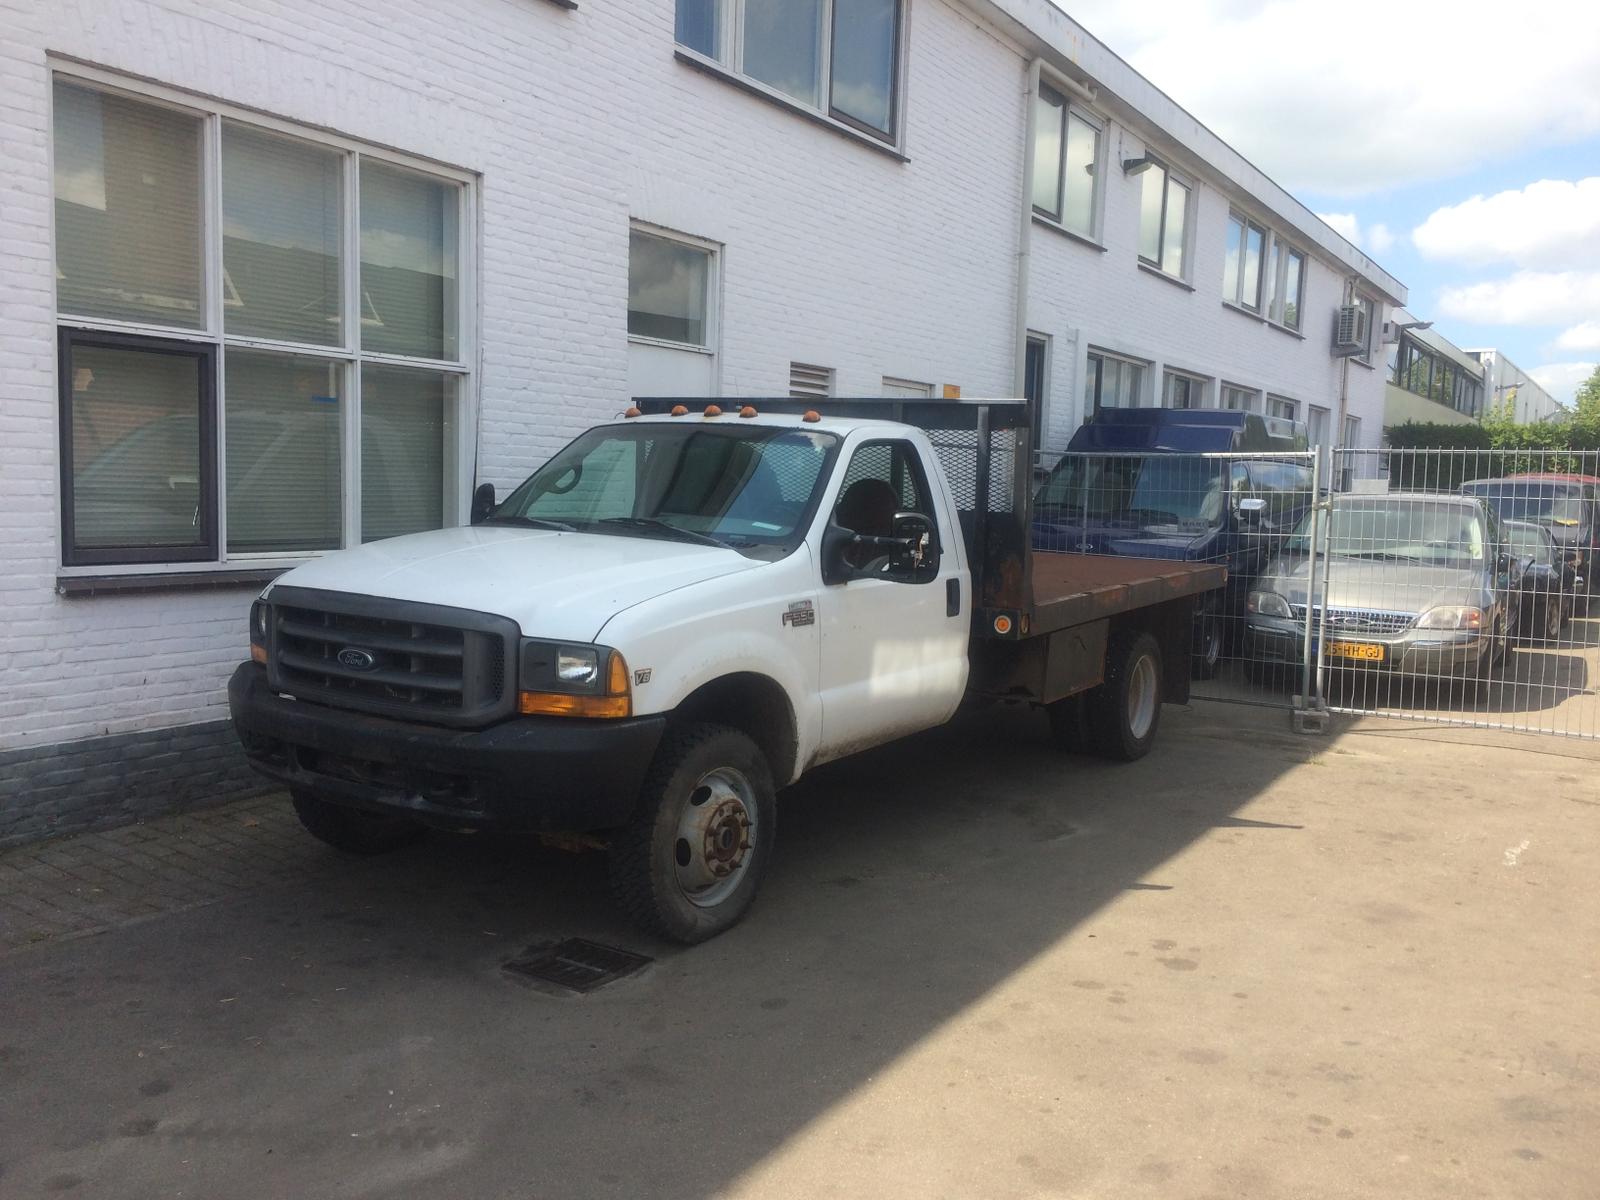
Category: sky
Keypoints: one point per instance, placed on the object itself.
(1457, 142)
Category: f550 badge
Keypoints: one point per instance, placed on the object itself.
(800, 613)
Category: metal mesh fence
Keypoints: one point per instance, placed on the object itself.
(1459, 587)
(1238, 510)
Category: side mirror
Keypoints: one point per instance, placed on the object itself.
(921, 541)
(483, 503)
(1252, 508)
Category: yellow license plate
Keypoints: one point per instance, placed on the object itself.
(1361, 650)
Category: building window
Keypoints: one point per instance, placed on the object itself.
(1370, 307)
(1163, 220)
(1352, 431)
(1286, 279)
(808, 380)
(341, 356)
(1066, 163)
(1111, 382)
(1241, 272)
(839, 57)
(1279, 406)
(1182, 391)
(1424, 372)
(669, 290)
(1036, 384)
(1238, 399)
(906, 389)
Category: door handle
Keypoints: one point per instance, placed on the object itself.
(952, 597)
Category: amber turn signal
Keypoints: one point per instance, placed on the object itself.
(258, 654)
(557, 704)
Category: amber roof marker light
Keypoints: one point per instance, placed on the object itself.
(678, 410)
(633, 412)
(713, 410)
(748, 410)
(812, 416)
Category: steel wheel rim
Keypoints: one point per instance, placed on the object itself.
(1212, 654)
(1142, 697)
(715, 838)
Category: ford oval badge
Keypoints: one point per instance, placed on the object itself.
(357, 659)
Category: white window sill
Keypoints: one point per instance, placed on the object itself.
(80, 582)
(1055, 226)
(1160, 274)
(1362, 362)
(1245, 312)
(1288, 329)
(744, 83)
(666, 344)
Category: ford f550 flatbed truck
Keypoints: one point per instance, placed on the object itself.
(682, 612)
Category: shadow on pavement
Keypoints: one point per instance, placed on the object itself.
(354, 1034)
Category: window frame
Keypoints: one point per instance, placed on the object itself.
(1293, 406)
(1199, 389)
(711, 319)
(212, 332)
(1185, 244)
(1070, 110)
(1374, 310)
(67, 338)
(728, 62)
(1254, 401)
(1246, 224)
(1103, 356)
(1277, 301)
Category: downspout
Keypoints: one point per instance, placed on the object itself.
(1019, 362)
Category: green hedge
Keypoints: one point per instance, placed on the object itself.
(1503, 449)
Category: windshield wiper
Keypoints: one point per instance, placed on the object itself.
(529, 523)
(1154, 515)
(677, 532)
(1386, 556)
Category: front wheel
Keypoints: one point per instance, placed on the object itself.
(1125, 710)
(353, 830)
(1209, 637)
(688, 864)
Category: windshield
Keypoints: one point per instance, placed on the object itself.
(1434, 534)
(1150, 491)
(747, 487)
(1533, 541)
(1556, 503)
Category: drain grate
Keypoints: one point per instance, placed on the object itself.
(577, 965)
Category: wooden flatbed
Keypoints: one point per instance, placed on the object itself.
(1070, 589)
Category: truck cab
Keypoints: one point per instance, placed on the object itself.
(676, 616)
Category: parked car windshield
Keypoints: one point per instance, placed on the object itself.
(1557, 503)
(1430, 533)
(1532, 541)
(747, 487)
(1153, 490)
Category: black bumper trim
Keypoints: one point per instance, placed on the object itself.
(548, 774)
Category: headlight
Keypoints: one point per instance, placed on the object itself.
(578, 665)
(1451, 616)
(572, 681)
(260, 623)
(1267, 604)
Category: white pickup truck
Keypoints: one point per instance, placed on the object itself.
(681, 613)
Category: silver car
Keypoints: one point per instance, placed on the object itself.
(1418, 584)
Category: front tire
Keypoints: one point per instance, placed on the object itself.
(353, 830)
(1125, 710)
(1210, 638)
(688, 864)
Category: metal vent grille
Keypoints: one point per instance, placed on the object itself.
(391, 657)
(577, 965)
(806, 380)
(1359, 620)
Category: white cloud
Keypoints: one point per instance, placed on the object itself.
(1372, 94)
(1550, 223)
(1561, 380)
(1374, 238)
(1525, 298)
(1583, 336)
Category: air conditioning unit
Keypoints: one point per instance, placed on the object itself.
(1350, 330)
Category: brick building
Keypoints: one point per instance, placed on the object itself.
(284, 277)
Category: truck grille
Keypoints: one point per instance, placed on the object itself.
(419, 661)
(1360, 620)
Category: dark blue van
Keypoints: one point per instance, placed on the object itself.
(1132, 483)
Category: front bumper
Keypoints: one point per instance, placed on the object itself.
(550, 774)
(1431, 652)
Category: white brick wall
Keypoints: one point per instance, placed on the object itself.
(1087, 297)
(577, 122)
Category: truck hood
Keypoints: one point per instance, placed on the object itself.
(557, 585)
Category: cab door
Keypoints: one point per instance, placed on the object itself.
(894, 640)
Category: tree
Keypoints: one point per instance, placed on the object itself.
(1586, 404)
